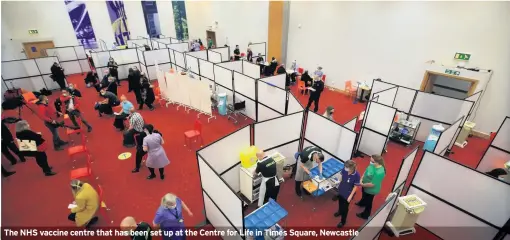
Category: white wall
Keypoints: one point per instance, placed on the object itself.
(136, 21)
(392, 40)
(166, 18)
(241, 22)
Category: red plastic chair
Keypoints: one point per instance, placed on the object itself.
(301, 86)
(79, 149)
(82, 172)
(103, 209)
(349, 89)
(243, 54)
(157, 94)
(194, 134)
(301, 71)
(324, 78)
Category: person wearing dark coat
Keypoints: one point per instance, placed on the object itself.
(91, 79)
(315, 93)
(135, 85)
(308, 82)
(112, 86)
(9, 146)
(249, 55)
(58, 75)
(112, 66)
(147, 93)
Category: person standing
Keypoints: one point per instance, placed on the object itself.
(309, 155)
(270, 185)
(139, 151)
(58, 75)
(8, 144)
(315, 94)
(73, 91)
(329, 113)
(209, 43)
(152, 144)
(71, 106)
(113, 66)
(346, 190)
(129, 224)
(371, 184)
(86, 201)
(237, 53)
(169, 216)
(249, 55)
(148, 95)
(135, 85)
(112, 86)
(318, 73)
(260, 62)
(136, 125)
(32, 144)
(49, 115)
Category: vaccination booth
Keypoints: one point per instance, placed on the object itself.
(222, 172)
(125, 59)
(29, 74)
(73, 58)
(496, 158)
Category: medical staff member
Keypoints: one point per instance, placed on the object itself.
(307, 157)
(346, 190)
(371, 183)
(270, 186)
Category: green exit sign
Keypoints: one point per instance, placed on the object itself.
(33, 31)
(452, 72)
(462, 56)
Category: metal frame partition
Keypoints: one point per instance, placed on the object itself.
(80, 57)
(100, 67)
(264, 54)
(30, 70)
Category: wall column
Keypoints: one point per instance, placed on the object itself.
(275, 30)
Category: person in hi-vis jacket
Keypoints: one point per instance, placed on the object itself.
(270, 185)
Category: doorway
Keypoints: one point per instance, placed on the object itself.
(212, 36)
(449, 85)
(37, 49)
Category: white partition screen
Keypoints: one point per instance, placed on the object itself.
(272, 97)
(224, 153)
(234, 65)
(265, 113)
(180, 47)
(206, 69)
(378, 86)
(404, 99)
(217, 218)
(221, 194)
(374, 226)
(223, 77)
(257, 48)
(502, 139)
(447, 137)
(192, 63)
(71, 67)
(224, 53)
(474, 98)
(405, 168)
(387, 96)
(327, 156)
(244, 85)
(371, 142)
(179, 59)
(472, 196)
(252, 70)
(278, 80)
(379, 118)
(156, 56)
(294, 105)
(250, 106)
(493, 158)
(199, 54)
(214, 57)
(274, 132)
(287, 150)
(351, 124)
(440, 108)
(19, 69)
(63, 53)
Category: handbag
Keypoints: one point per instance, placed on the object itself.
(27, 145)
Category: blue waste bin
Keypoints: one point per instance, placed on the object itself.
(222, 104)
(433, 137)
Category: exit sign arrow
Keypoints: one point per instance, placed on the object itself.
(462, 56)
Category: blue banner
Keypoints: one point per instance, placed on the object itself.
(81, 23)
(150, 13)
(119, 21)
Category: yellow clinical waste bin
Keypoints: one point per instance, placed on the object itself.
(248, 156)
(464, 133)
(406, 215)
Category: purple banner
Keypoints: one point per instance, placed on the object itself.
(81, 23)
(119, 21)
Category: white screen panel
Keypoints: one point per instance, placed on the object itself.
(307, 143)
(204, 92)
(447, 137)
(278, 80)
(378, 86)
(288, 151)
(195, 98)
(377, 222)
(44, 65)
(124, 70)
(346, 144)
(228, 202)
(223, 76)
(445, 221)
(258, 48)
(323, 132)
(404, 99)
(174, 40)
(80, 52)
(472, 196)
(371, 143)
(224, 53)
(199, 54)
(502, 139)
(217, 219)
(232, 178)
(85, 66)
(235, 65)
(152, 74)
(379, 118)
(33, 69)
(266, 113)
(102, 59)
(406, 168)
(183, 95)
(464, 111)
(278, 131)
(214, 57)
(63, 54)
(206, 69)
(16, 70)
(224, 153)
(351, 124)
(272, 97)
(294, 105)
(181, 47)
(164, 40)
(71, 67)
(179, 59)
(159, 56)
(244, 85)
(493, 158)
(192, 63)
(251, 69)
(50, 84)
(386, 97)
(23, 83)
(440, 108)
(249, 110)
(38, 83)
(424, 129)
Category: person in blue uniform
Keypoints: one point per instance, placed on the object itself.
(346, 190)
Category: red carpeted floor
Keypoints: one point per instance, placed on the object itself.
(31, 199)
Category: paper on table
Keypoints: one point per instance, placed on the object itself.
(71, 206)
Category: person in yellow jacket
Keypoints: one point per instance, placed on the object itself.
(85, 205)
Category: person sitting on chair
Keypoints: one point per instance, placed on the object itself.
(73, 91)
(85, 205)
(123, 113)
(106, 106)
(32, 144)
(71, 105)
(112, 86)
(136, 125)
(91, 79)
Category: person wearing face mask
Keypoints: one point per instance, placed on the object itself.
(329, 112)
(112, 66)
(25, 135)
(85, 205)
(71, 106)
(371, 184)
(73, 91)
(58, 75)
(106, 106)
(318, 73)
(152, 144)
(169, 217)
(91, 79)
(123, 113)
(135, 84)
(129, 224)
(148, 95)
(315, 94)
(346, 190)
(49, 114)
(112, 86)
(308, 82)
(237, 53)
(308, 156)
(136, 125)
(270, 186)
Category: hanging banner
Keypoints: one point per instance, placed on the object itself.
(81, 23)
(150, 13)
(180, 20)
(119, 21)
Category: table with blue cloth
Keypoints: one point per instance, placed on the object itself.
(330, 169)
(265, 217)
